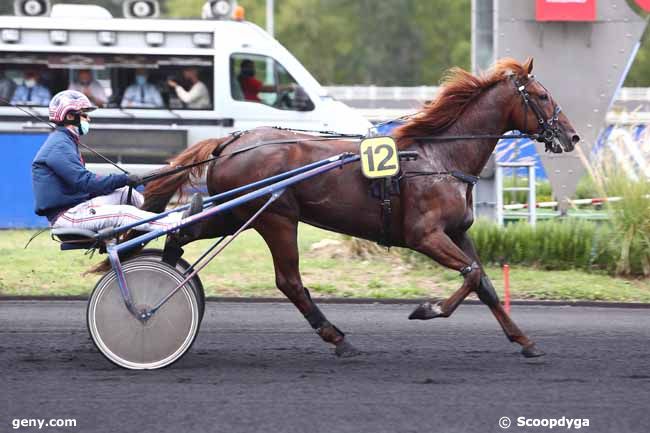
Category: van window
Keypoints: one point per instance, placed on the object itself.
(263, 80)
(166, 82)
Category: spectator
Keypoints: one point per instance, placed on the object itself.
(250, 85)
(7, 88)
(90, 87)
(141, 94)
(30, 92)
(198, 97)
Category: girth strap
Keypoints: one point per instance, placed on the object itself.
(386, 212)
(384, 189)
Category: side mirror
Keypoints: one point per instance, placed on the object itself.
(301, 101)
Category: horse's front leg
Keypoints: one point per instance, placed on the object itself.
(488, 296)
(437, 245)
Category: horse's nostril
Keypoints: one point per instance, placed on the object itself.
(575, 139)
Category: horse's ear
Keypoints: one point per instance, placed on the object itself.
(528, 66)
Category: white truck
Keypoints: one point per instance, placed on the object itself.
(45, 48)
(57, 42)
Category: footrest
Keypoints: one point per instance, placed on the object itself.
(74, 238)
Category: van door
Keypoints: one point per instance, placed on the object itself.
(263, 92)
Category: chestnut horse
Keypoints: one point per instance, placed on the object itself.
(433, 212)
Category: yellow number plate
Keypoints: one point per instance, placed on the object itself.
(379, 157)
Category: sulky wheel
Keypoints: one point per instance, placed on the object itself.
(156, 255)
(162, 339)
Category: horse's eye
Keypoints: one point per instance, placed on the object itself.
(543, 97)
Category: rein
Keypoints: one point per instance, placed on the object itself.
(329, 136)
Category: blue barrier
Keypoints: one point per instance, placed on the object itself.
(16, 196)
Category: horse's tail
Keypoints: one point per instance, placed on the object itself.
(159, 192)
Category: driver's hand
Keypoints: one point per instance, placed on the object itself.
(133, 180)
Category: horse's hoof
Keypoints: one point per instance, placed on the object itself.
(426, 311)
(346, 350)
(531, 351)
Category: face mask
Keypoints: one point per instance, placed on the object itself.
(141, 80)
(30, 82)
(84, 127)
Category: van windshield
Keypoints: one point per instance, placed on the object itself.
(110, 81)
(262, 79)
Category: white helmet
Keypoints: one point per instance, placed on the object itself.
(69, 101)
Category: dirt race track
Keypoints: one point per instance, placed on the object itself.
(259, 368)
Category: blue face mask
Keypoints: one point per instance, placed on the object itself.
(141, 80)
(84, 127)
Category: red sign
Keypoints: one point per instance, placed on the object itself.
(644, 4)
(567, 10)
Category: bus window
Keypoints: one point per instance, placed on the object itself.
(111, 80)
(175, 83)
(261, 79)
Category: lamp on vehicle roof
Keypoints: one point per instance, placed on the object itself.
(202, 39)
(32, 8)
(10, 36)
(59, 37)
(141, 8)
(107, 37)
(218, 9)
(155, 39)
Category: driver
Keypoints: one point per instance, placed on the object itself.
(69, 195)
(251, 87)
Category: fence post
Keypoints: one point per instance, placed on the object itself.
(498, 180)
(506, 288)
(532, 199)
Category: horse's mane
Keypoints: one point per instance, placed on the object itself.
(458, 89)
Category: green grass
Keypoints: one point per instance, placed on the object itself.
(245, 269)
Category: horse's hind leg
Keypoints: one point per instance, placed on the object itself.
(437, 245)
(488, 296)
(280, 234)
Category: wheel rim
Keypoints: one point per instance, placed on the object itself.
(156, 343)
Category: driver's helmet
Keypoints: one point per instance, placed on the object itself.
(69, 101)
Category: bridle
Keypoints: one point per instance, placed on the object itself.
(549, 127)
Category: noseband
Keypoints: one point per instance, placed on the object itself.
(549, 127)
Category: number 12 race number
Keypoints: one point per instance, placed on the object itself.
(379, 157)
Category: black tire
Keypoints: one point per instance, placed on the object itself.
(160, 341)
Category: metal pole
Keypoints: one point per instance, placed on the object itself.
(498, 180)
(532, 195)
(270, 22)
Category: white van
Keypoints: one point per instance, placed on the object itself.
(59, 42)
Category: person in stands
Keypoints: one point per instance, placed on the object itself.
(31, 92)
(198, 97)
(7, 88)
(90, 87)
(142, 94)
(71, 196)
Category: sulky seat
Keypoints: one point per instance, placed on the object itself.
(74, 238)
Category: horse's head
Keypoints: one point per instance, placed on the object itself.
(536, 112)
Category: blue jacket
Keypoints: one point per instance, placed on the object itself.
(60, 179)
